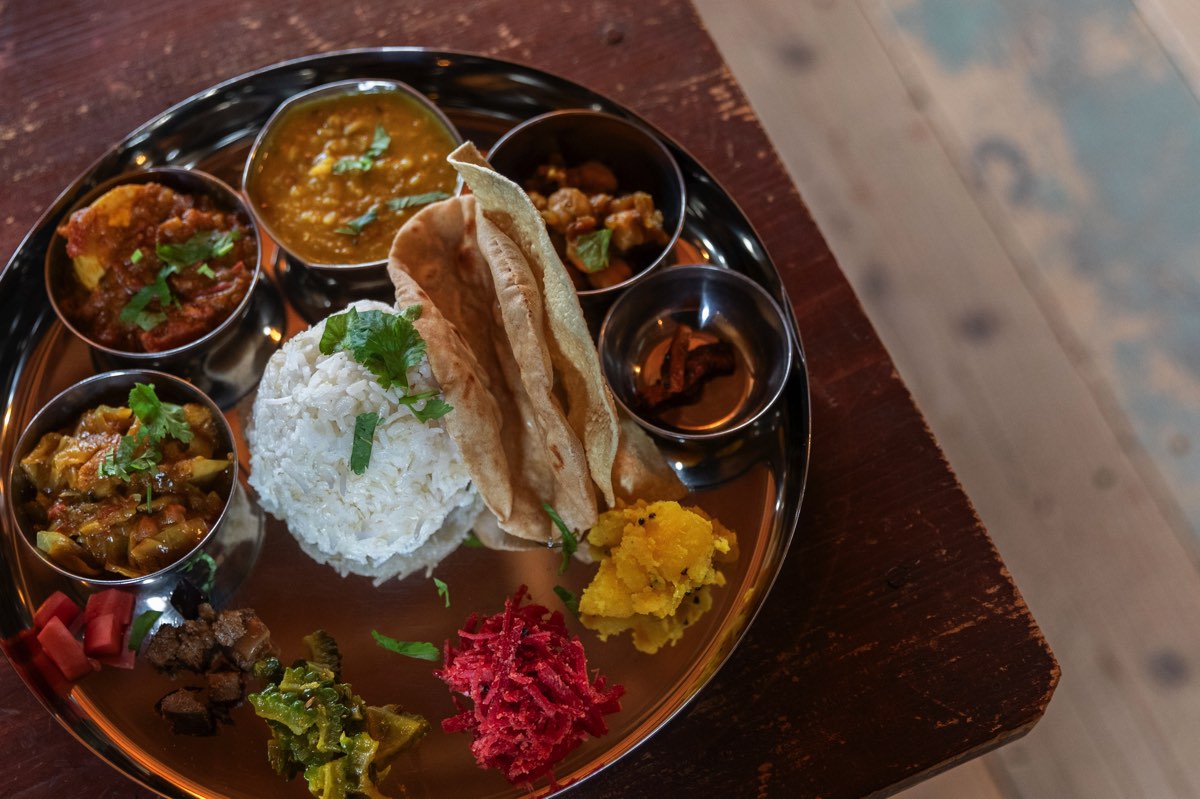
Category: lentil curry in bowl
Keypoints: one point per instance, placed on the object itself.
(338, 169)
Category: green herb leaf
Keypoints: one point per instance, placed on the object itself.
(385, 343)
(136, 257)
(364, 440)
(443, 590)
(413, 200)
(569, 542)
(592, 249)
(159, 419)
(200, 247)
(141, 625)
(122, 460)
(363, 163)
(207, 271)
(434, 407)
(472, 541)
(413, 649)
(135, 313)
(355, 226)
(569, 600)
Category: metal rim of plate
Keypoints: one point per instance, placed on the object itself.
(484, 96)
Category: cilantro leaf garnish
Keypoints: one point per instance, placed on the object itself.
(569, 600)
(355, 226)
(200, 247)
(443, 590)
(364, 162)
(388, 345)
(139, 452)
(141, 625)
(122, 460)
(412, 200)
(364, 440)
(160, 419)
(420, 650)
(592, 249)
(206, 270)
(135, 313)
(569, 542)
(472, 541)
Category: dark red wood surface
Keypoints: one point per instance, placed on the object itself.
(894, 643)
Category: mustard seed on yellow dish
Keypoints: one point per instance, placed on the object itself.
(657, 561)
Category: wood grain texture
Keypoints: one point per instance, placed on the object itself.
(894, 643)
(882, 143)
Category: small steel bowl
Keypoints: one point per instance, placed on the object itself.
(230, 541)
(635, 154)
(317, 289)
(714, 300)
(228, 360)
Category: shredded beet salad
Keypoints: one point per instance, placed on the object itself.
(527, 678)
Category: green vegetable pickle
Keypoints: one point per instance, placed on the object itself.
(322, 729)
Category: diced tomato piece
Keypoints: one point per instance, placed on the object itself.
(103, 636)
(43, 665)
(58, 605)
(112, 600)
(61, 647)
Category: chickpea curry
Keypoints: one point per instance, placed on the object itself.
(154, 268)
(341, 175)
(595, 229)
(127, 491)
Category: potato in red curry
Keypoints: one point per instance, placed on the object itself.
(154, 269)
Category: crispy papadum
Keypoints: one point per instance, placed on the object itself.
(590, 409)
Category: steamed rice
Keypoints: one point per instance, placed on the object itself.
(411, 507)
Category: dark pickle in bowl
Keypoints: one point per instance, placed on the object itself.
(122, 492)
(154, 267)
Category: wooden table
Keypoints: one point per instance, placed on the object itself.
(894, 643)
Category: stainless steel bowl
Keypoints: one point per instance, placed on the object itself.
(227, 361)
(233, 539)
(318, 289)
(715, 301)
(638, 158)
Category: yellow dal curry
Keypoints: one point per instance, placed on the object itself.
(341, 175)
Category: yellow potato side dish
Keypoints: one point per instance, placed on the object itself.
(657, 561)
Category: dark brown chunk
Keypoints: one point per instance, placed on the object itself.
(187, 711)
(225, 687)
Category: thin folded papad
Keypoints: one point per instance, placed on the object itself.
(508, 344)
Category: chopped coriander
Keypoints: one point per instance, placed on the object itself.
(388, 345)
(569, 542)
(413, 200)
(135, 313)
(443, 590)
(420, 650)
(364, 438)
(592, 250)
(355, 226)
(200, 247)
(472, 541)
(207, 271)
(569, 600)
(122, 460)
(363, 163)
(141, 625)
(160, 419)
(136, 257)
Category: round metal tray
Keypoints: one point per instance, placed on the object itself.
(753, 483)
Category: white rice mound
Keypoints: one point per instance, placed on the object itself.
(411, 507)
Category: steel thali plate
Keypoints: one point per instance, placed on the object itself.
(754, 484)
